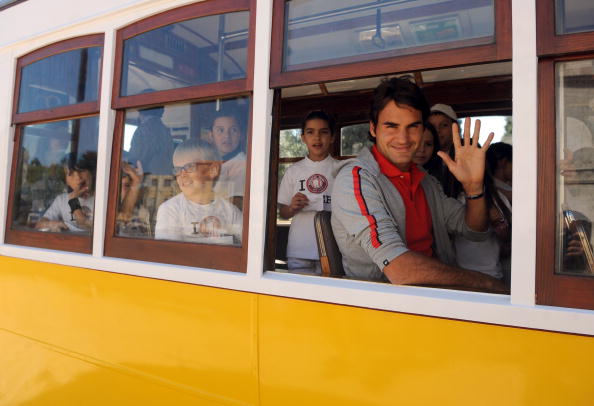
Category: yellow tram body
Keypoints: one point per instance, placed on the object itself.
(73, 336)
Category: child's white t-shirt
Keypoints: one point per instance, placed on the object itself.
(180, 219)
(314, 179)
(60, 210)
(231, 181)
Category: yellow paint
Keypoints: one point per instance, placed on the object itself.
(71, 336)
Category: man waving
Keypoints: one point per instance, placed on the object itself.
(392, 221)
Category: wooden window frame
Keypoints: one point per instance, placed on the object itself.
(230, 258)
(57, 241)
(548, 42)
(553, 289)
(425, 58)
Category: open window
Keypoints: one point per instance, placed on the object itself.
(180, 162)
(55, 111)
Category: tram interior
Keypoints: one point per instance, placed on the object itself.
(477, 91)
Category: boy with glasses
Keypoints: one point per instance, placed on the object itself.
(196, 214)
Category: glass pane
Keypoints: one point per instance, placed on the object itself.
(329, 32)
(575, 178)
(184, 169)
(291, 145)
(353, 138)
(574, 16)
(57, 163)
(60, 80)
(189, 53)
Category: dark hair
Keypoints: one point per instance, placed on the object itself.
(402, 92)
(433, 164)
(318, 114)
(86, 162)
(227, 112)
(495, 153)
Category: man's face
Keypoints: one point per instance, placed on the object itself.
(225, 135)
(398, 133)
(443, 125)
(197, 175)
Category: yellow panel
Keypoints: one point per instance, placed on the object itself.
(195, 341)
(320, 354)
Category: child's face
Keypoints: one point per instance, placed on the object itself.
(197, 176)
(425, 150)
(80, 180)
(225, 135)
(317, 136)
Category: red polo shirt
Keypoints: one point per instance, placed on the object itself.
(419, 236)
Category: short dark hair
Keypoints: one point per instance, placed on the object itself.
(402, 92)
(318, 114)
(85, 162)
(228, 112)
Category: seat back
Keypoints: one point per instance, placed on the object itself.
(330, 256)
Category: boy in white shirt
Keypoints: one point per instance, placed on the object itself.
(306, 188)
(195, 214)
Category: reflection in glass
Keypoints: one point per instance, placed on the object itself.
(60, 80)
(183, 172)
(290, 145)
(319, 33)
(189, 53)
(353, 138)
(574, 16)
(57, 163)
(575, 179)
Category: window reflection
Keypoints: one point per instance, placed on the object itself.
(57, 163)
(60, 80)
(574, 16)
(319, 33)
(189, 53)
(183, 172)
(575, 180)
(353, 138)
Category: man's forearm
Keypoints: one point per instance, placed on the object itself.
(412, 268)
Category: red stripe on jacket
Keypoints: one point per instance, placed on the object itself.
(375, 241)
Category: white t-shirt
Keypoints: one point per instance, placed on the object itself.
(314, 179)
(231, 181)
(180, 219)
(60, 210)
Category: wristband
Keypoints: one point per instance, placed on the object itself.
(74, 204)
(474, 197)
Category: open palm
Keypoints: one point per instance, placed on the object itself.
(468, 165)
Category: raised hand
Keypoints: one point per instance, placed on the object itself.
(298, 202)
(136, 174)
(468, 165)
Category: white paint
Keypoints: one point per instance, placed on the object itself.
(525, 116)
(109, 15)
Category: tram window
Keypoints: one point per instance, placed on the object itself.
(184, 191)
(178, 188)
(55, 155)
(573, 16)
(567, 276)
(324, 32)
(353, 138)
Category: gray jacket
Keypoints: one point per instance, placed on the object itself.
(369, 218)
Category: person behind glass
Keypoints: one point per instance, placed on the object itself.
(482, 256)
(498, 192)
(196, 214)
(227, 136)
(151, 143)
(393, 223)
(132, 219)
(73, 211)
(305, 189)
(443, 118)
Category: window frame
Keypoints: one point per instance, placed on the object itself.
(57, 241)
(564, 290)
(499, 50)
(229, 258)
(548, 42)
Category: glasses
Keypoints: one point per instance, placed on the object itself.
(190, 167)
